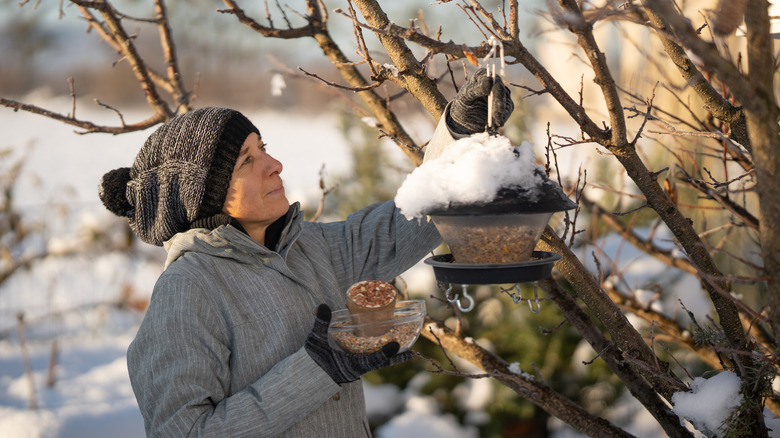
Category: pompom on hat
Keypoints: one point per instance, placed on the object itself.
(179, 179)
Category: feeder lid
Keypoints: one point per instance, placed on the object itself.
(545, 198)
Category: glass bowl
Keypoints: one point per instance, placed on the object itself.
(491, 238)
(404, 328)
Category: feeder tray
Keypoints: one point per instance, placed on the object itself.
(538, 268)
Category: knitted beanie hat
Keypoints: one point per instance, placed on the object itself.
(180, 176)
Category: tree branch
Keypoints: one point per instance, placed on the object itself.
(530, 389)
(117, 33)
(87, 126)
(623, 333)
(614, 360)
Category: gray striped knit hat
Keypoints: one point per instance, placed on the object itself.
(179, 179)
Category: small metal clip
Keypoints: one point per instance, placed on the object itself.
(535, 300)
(447, 294)
(516, 296)
(456, 299)
(469, 298)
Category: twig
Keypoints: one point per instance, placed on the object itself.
(51, 372)
(72, 86)
(715, 183)
(652, 343)
(362, 46)
(433, 45)
(646, 118)
(406, 146)
(87, 126)
(598, 355)
(333, 84)
(28, 370)
(538, 373)
(290, 33)
(633, 210)
(444, 350)
(472, 16)
(645, 244)
(545, 331)
(524, 87)
(174, 76)
(116, 111)
(324, 191)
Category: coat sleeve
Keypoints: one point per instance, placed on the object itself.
(378, 243)
(179, 365)
(441, 138)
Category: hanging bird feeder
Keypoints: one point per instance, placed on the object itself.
(493, 242)
(490, 202)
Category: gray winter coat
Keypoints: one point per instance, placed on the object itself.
(220, 351)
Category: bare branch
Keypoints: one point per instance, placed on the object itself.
(116, 33)
(333, 84)
(88, 127)
(532, 390)
(291, 33)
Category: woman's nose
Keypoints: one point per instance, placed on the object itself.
(274, 165)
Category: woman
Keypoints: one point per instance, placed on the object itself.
(234, 342)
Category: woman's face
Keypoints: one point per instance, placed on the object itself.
(255, 196)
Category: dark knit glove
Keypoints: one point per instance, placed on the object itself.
(469, 110)
(345, 367)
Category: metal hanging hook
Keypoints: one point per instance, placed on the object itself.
(535, 300)
(468, 297)
(447, 294)
(535, 303)
(496, 49)
(456, 299)
(516, 296)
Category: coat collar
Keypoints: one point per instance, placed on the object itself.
(229, 241)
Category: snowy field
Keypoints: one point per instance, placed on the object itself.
(73, 326)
